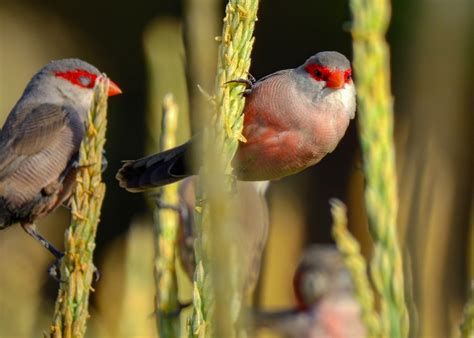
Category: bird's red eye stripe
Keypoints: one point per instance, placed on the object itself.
(297, 281)
(321, 73)
(348, 75)
(318, 72)
(79, 77)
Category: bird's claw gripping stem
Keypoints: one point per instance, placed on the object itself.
(104, 162)
(55, 272)
(96, 273)
(252, 78)
(173, 313)
(249, 83)
(176, 312)
(163, 205)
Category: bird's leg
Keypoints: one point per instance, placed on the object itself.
(246, 82)
(74, 163)
(174, 313)
(163, 205)
(30, 229)
(53, 270)
(181, 307)
(67, 205)
(249, 83)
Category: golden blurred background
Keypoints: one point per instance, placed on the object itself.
(153, 47)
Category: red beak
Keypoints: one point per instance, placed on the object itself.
(336, 79)
(113, 89)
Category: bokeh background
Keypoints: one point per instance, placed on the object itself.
(153, 47)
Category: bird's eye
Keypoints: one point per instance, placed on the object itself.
(318, 72)
(348, 75)
(85, 81)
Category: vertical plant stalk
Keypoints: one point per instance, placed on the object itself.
(166, 230)
(355, 262)
(202, 25)
(467, 326)
(71, 309)
(375, 109)
(216, 299)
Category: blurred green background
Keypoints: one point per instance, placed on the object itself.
(140, 46)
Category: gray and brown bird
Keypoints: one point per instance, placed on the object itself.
(292, 119)
(250, 237)
(40, 141)
(326, 307)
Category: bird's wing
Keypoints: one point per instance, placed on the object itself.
(40, 128)
(266, 77)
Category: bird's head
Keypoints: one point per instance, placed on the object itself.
(80, 74)
(332, 69)
(320, 273)
(68, 81)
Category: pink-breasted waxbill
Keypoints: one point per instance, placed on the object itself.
(326, 306)
(292, 119)
(40, 141)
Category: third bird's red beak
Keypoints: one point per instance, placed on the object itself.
(336, 79)
(113, 89)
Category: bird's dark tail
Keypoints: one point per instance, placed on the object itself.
(157, 170)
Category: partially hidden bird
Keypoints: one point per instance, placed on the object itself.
(250, 237)
(40, 141)
(292, 119)
(326, 305)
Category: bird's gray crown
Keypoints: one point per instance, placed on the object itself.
(329, 59)
(65, 65)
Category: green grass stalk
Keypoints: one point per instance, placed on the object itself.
(355, 262)
(216, 300)
(77, 270)
(467, 327)
(166, 230)
(375, 122)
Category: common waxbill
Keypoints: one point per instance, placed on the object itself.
(250, 237)
(40, 141)
(292, 119)
(326, 307)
